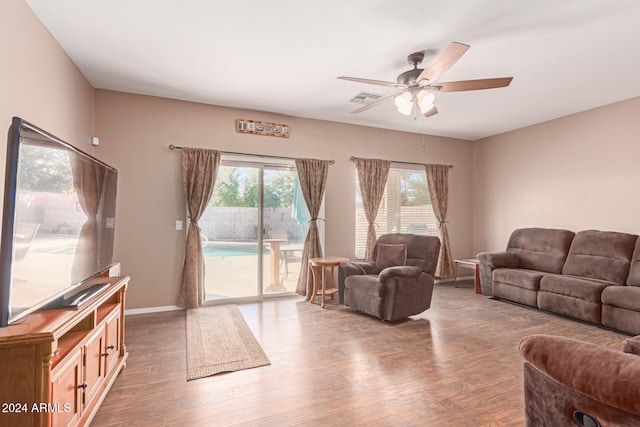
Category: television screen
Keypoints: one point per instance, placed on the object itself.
(58, 220)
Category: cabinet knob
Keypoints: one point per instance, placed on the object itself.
(83, 385)
(105, 354)
(111, 347)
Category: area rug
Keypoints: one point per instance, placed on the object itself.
(219, 340)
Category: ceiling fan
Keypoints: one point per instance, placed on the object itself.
(419, 85)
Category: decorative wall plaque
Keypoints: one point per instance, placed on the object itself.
(262, 128)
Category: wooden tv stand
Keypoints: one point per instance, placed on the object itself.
(58, 365)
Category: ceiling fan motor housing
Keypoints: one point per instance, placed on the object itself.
(410, 77)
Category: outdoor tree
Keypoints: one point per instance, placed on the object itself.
(278, 193)
(242, 189)
(45, 170)
(415, 189)
(227, 189)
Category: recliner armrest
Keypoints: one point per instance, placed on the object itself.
(358, 267)
(603, 374)
(352, 268)
(401, 270)
(499, 259)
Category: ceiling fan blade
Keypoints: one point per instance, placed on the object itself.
(373, 82)
(432, 112)
(464, 85)
(442, 63)
(374, 103)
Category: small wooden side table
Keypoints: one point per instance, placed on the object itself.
(473, 264)
(322, 263)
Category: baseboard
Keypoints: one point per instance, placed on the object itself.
(134, 311)
(437, 281)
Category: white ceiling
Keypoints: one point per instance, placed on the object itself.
(283, 56)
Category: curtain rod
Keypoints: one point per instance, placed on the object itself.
(176, 147)
(353, 158)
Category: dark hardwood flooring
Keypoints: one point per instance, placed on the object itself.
(457, 364)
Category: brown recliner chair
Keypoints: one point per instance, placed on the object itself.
(398, 283)
(569, 382)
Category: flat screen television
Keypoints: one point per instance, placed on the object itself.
(57, 224)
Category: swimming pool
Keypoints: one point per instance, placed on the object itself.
(227, 250)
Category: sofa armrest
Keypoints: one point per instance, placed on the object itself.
(491, 260)
(499, 259)
(402, 270)
(351, 268)
(605, 375)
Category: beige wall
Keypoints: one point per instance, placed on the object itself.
(39, 83)
(135, 132)
(577, 172)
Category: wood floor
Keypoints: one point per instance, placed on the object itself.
(457, 364)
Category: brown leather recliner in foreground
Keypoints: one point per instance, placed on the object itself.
(397, 283)
(569, 382)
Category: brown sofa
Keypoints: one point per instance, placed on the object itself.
(591, 275)
(570, 382)
(397, 283)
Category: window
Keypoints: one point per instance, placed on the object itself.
(405, 208)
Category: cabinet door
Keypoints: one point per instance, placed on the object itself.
(66, 391)
(112, 342)
(93, 350)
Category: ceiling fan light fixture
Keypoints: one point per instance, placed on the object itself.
(404, 102)
(425, 100)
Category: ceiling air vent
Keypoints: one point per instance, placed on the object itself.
(365, 98)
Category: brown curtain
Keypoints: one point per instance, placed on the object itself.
(313, 176)
(372, 176)
(199, 171)
(438, 180)
(88, 180)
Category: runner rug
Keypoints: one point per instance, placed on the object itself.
(219, 340)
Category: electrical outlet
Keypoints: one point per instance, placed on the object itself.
(178, 225)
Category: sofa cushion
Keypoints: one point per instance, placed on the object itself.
(634, 269)
(604, 255)
(571, 306)
(391, 256)
(576, 287)
(526, 279)
(621, 319)
(622, 296)
(540, 249)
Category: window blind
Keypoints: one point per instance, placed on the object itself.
(405, 208)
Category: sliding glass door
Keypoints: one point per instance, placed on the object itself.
(285, 222)
(253, 231)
